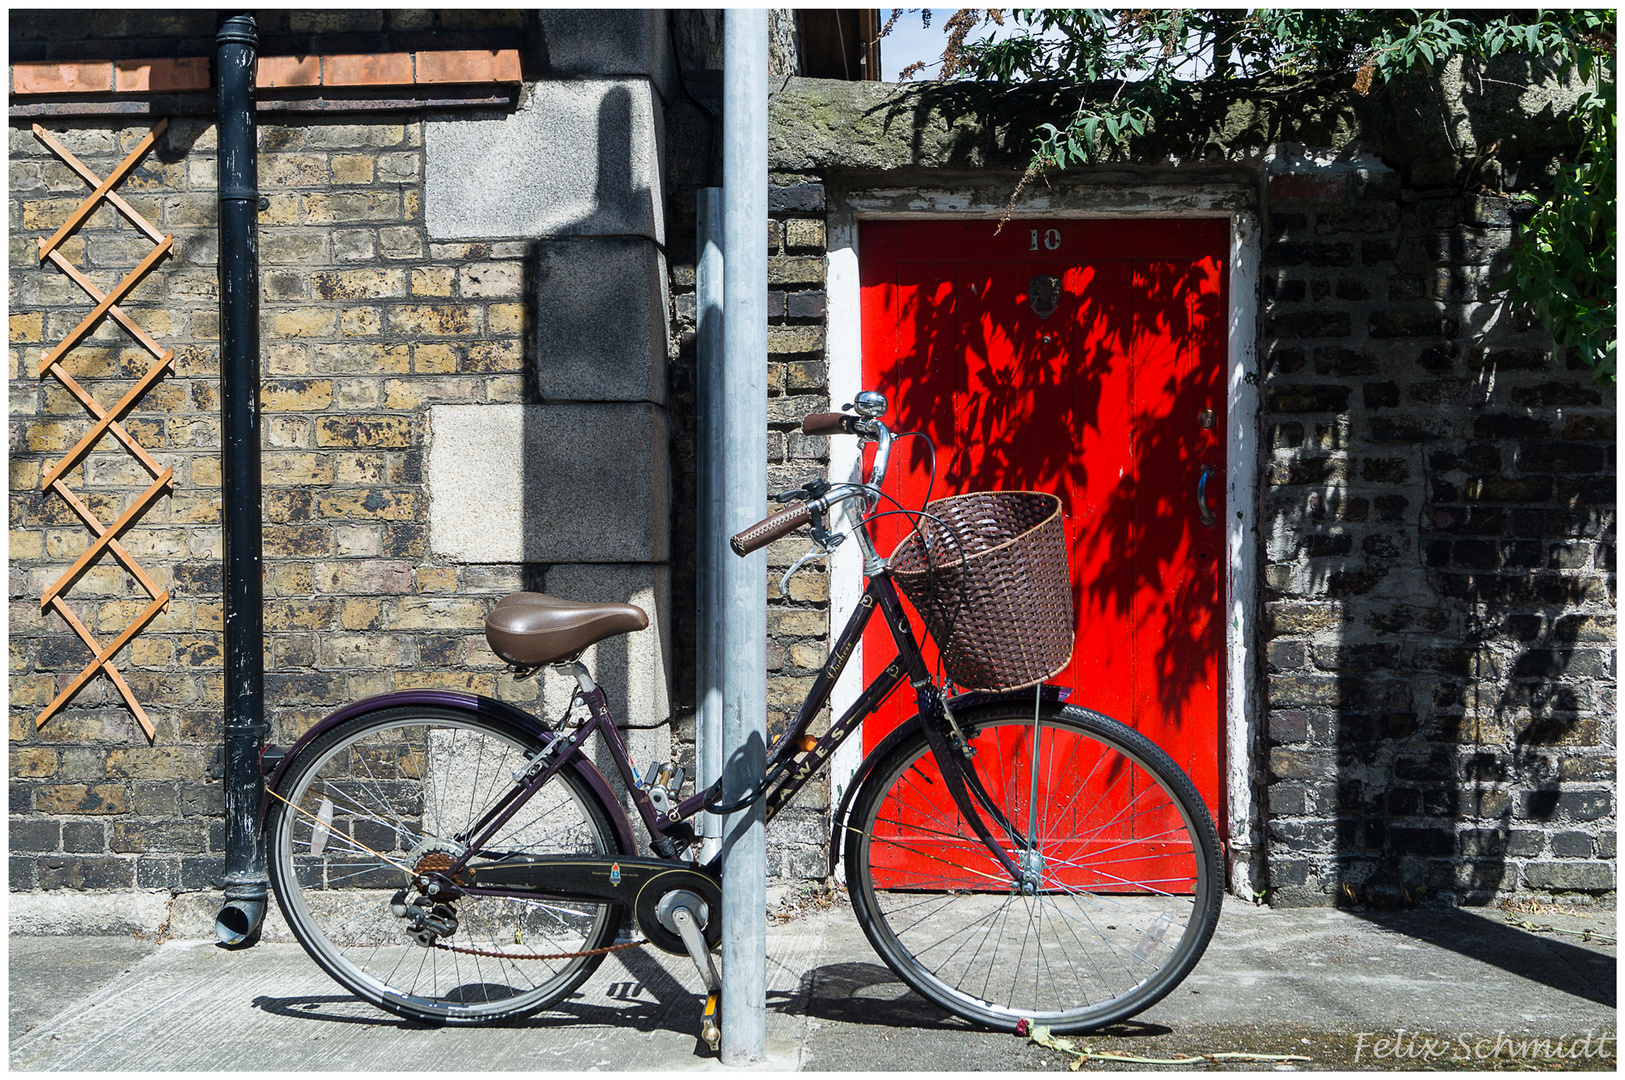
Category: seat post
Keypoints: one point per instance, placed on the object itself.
(583, 676)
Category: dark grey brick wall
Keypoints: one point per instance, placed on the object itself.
(1439, 565)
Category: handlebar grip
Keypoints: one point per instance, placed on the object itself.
(769, 529)
(827, 423)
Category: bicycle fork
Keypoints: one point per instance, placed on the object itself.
(966, 789)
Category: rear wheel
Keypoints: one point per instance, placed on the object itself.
(395, 792)
(1123, 884)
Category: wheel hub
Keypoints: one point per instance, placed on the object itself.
(1032, 871)
(427, 918)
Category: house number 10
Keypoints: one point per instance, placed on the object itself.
(1052, 239)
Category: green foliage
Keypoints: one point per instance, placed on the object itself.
(1564, 261)
(1128, 67)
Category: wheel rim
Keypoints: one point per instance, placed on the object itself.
(1119, 913)
(396, 797)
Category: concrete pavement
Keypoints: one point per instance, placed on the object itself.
(1306, 981)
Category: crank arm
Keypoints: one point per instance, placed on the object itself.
(694, 941)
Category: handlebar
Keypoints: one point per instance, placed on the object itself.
(769, 529)
(868, 427)
(829, 423)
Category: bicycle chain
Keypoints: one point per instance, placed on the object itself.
(542, 956)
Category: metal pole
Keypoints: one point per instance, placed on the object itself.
(708, 290)
(238, 923)
(744, 586)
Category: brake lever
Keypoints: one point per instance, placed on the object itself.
(822, 546)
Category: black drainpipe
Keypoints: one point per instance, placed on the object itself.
(238, 924)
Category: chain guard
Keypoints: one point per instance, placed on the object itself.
(635, 881)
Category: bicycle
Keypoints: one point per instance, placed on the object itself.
(1010, 856)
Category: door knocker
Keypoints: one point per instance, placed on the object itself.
(1044, 293)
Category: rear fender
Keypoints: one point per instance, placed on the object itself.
(958, 703)
(472, 703)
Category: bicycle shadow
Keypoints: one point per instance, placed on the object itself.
(644, 997)
(860, 992)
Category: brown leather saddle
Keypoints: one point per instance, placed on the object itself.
(528, 629)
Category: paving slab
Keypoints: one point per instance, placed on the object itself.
(47, 974)
(1294, 981)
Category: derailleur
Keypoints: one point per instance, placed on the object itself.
(427, 919)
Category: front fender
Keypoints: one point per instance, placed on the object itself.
(957, 703)
(473, 703)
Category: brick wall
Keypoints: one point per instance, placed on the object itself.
(368, 325)
(1438, 549)
(366, 322)
(1439, 567)
(1437, 555)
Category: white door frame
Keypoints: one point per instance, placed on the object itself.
(1243, 706)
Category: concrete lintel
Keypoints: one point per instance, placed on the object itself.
(1231, 191)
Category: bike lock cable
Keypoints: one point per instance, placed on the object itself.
(761, 789)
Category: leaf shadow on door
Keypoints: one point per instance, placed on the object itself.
(1018, 423)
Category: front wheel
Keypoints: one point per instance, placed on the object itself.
(396, 792)
(1123, 883)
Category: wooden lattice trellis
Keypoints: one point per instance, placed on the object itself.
(105, 537)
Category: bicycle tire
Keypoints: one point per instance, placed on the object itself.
(398, 784)
(1122, 839)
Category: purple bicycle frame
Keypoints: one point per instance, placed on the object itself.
(782, 761)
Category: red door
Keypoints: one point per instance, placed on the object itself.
(1084, 358)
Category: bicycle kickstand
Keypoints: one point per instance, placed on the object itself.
(710, 1030)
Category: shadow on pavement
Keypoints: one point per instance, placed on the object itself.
(675, 1008)
(1584, 973)
(869, 994)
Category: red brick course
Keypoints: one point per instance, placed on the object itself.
(275, 71)
(48, 78)
(155, 76)
(192, 73)
(375, 69)
(469, 66)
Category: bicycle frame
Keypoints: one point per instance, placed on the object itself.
(788, 760)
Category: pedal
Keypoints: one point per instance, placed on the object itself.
(709, 1029)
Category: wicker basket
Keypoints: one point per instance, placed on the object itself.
(1000, 606)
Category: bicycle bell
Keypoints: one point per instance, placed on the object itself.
(869, 404)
